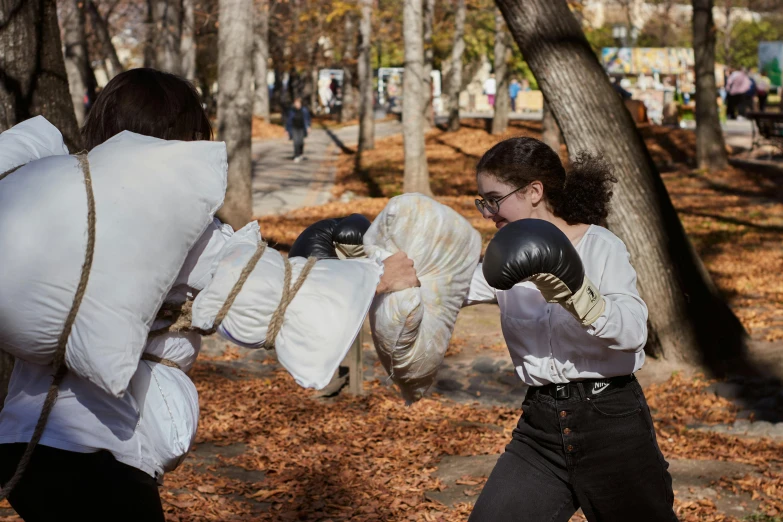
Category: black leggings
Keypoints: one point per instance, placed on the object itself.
(65, 485)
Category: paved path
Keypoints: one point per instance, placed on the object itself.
(280, 185)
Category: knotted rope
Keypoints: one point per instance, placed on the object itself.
(58, 361)
(182, 315)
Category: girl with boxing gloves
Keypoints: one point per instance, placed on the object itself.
(575, 327)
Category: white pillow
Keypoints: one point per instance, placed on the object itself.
(153, 200)
(319, 325)
(30, 140)
(412, 328)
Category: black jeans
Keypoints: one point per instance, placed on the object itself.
(298, 135)
(599, 453)
(64, 485)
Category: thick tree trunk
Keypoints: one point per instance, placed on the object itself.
(502, 98)
(429, 56)
(32, 67)
(101, 29)
(235, 106)
(710, 147)
(689, 319)
(348, 111)
(34, 82)
(187, 47)
(77, 63)
(168, 35)
(261, 61)
(550, 131)
(416, 173)
(150, 35)
(454, 80)
(366, 104)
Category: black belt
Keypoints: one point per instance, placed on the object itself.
(589, 387)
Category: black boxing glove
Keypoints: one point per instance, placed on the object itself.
(537, 251)
(332, 238)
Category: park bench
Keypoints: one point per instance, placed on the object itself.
(767, 129)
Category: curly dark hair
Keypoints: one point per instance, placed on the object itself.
(580, 195)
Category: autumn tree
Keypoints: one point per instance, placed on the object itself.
(502, 98)
(416, 173)
(710, 146)
(260, 60)
(550, 132)
(187, 47)
(454, 79)
(689, 319)
(100, 27)
(349, 106)
(235, 106)
(77, 64)
(429, 56)
(366, 105)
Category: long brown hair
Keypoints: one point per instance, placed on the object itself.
(148, 102)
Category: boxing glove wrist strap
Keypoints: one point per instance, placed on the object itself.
(586, 304)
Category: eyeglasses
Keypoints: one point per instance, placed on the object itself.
(493, 205)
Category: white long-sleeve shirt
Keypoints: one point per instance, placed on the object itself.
(151, 426)
(548, 345)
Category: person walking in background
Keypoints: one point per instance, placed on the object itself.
(490, 89)
(513, 89)
(296, 124)
(737, 87)
(763, 85)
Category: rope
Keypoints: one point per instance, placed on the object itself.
(160, 360)
(58, 361)
(10, 171)
(182, 315)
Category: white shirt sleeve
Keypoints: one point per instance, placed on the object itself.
(480, 291)
(623, 325)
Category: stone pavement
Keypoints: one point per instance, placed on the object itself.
(280, 185)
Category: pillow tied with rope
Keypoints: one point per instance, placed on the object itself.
(412, 328)
(324, 305)
(138, 183)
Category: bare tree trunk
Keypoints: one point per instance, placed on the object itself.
(33, 69)
(454, 80)
(689, 319)
(710, 146)
(168, 35)
(77, 64)
(429, 54)
(366, 105)
(416, 173)
(261, 61)
(150, 35)
(101, 29)
(235, 106)
(348, 111)
(502, 98)
(187, 47)
(727, 36)
(550, 130)
(33, 82)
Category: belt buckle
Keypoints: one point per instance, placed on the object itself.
(562, 391)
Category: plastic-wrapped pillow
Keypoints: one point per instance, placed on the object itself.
(412, 328)
(319, 325)
(153, 200)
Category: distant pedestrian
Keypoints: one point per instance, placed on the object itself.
(490, 89)
(513, 89)
(738, 86)
(763, 85)
(297, 123)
